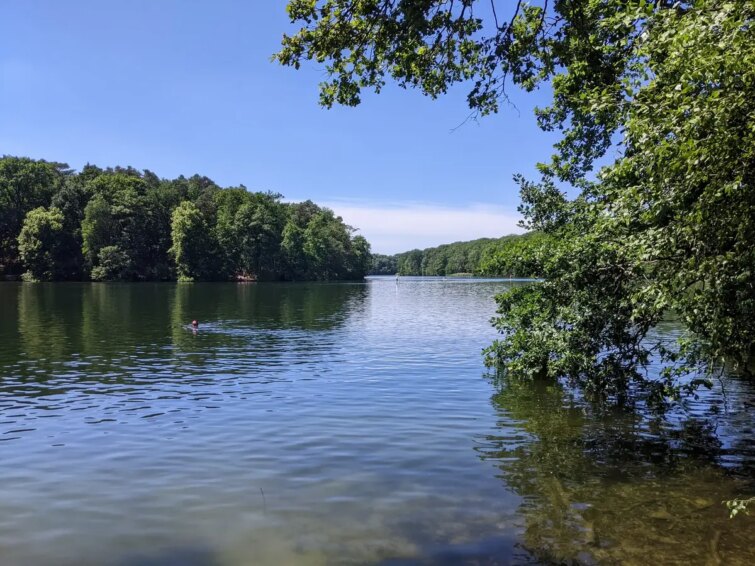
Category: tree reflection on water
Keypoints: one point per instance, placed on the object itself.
(619, 485)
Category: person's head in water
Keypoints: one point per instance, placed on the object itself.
(195, 324)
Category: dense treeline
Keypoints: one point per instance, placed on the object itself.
(484, 256)
(124, 224)
(384, 264)
(521, 256)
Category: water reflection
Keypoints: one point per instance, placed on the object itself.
(127, 439)
(614, 485)
(86, 339)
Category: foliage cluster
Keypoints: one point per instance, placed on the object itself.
(522, 256)
(665, 228)
(123, 224)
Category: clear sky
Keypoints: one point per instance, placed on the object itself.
(187, 86)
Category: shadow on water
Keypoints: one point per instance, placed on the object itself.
(616, 485)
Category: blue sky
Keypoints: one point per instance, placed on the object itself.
(187, 86)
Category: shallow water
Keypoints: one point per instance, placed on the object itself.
(334, 424)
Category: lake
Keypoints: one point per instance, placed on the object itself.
(319, 423)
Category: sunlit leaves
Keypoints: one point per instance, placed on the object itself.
(39, 243)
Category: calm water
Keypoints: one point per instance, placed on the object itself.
(334, 424)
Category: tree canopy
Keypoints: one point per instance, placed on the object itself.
(129, 225)
(665, 228)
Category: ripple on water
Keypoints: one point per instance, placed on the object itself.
(321, 424)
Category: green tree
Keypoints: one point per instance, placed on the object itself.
(410, 263)
(113, 264)
(228, 202)
(97, 228)
(326, 244)
(258, 225)
(292, 242)
(361, 258)
(517, 257)
(25, 184)
(667, 227)
(38, 243)
(383, 265)
(434, 261)
(130, 210)
(71, 200)
(292, 248)
(193, 247)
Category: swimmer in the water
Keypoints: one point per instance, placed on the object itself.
(194, 324)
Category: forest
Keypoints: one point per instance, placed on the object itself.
(508, 256)
(122, 224)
